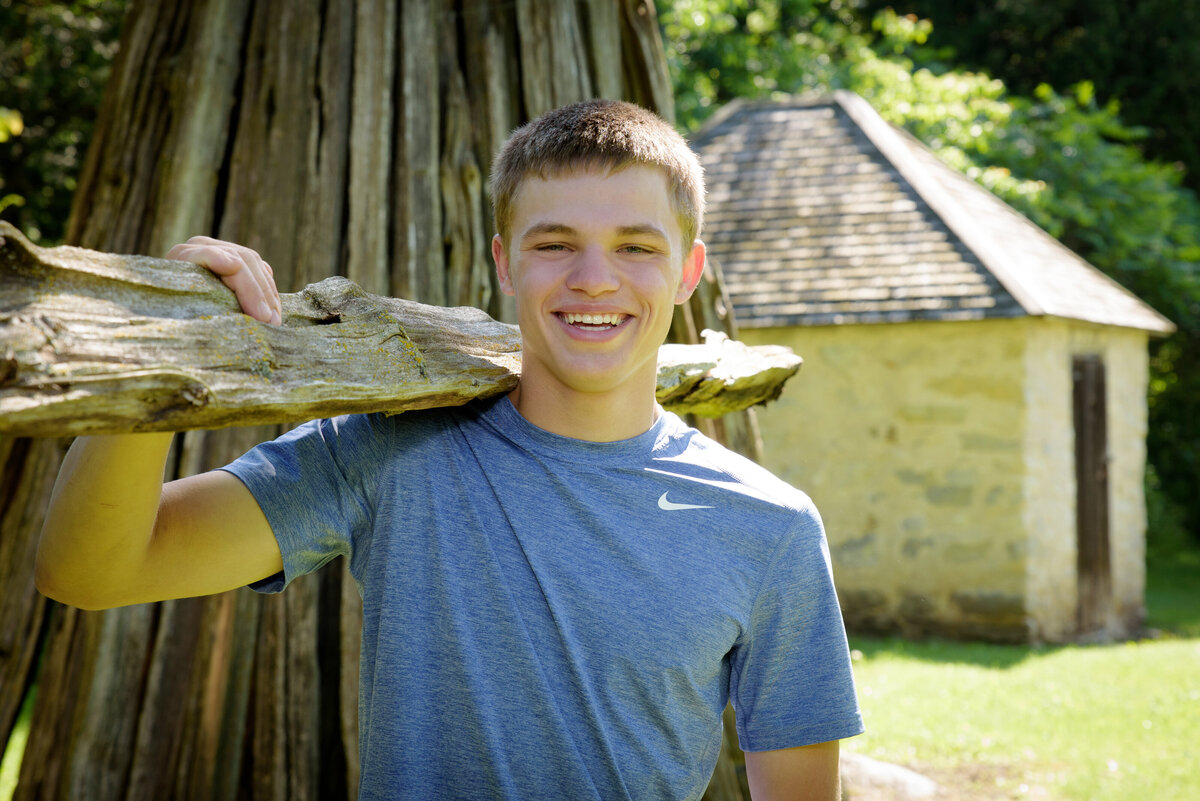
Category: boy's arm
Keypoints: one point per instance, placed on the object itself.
(115, 535)
(808, 773)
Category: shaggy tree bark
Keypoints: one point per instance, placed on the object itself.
(336, 137)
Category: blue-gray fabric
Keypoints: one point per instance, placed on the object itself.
(535, 625)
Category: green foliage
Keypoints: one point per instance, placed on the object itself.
(1066, 160)
(54, 60)
(719, 50)
(11, 124)
(1140, 52)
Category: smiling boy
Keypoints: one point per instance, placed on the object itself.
(597, 263)
(562, 588)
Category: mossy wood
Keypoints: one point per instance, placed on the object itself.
(98, 343)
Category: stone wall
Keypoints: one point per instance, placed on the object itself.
(941, 457)
(1050, 481)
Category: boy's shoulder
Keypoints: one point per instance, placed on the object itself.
(732, 470)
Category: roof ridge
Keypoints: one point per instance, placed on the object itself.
(886, 138)
(719, 116)
(738, 104)
(892, 143)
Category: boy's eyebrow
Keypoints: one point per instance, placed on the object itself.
(645, 229)
(542, 229)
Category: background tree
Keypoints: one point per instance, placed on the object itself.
(335, 137)
(1064, 159)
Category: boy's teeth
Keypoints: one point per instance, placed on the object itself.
(592, 319)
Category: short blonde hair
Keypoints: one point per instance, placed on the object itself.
(598, 134)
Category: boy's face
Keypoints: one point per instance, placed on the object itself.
(596, 265)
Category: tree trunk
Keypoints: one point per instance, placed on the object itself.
(336, 138)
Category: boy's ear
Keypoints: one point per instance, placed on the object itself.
(693, 269)
(500, 256)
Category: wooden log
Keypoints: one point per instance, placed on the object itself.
(98, 343)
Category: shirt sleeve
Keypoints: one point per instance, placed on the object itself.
(314, 487)
(791, 681)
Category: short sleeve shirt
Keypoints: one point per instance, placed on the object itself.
(546, 617)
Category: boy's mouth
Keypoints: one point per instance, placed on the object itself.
(593, 322)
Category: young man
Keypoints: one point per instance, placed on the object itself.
(563, 587)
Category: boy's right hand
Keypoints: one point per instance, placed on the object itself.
(239, 268)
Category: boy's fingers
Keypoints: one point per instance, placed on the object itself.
(234, 271)
(264, 276)
(239, 268)
(250, 294)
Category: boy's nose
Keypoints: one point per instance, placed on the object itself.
(592, 272)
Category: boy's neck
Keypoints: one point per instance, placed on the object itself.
(595, 417)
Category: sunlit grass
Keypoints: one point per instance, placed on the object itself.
(1101, 723)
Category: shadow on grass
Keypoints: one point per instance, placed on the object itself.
(1172, 610)
(1173, 590)
(979, 654)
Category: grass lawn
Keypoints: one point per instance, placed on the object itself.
(1114, 722)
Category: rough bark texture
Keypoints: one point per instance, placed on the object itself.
(336, 137)
(94, 343)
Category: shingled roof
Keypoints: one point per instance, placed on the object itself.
(820, 212)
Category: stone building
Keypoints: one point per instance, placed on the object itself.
(971, 415)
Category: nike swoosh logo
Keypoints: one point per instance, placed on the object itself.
(668, 506)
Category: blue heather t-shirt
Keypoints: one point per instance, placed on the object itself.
(546, 617)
